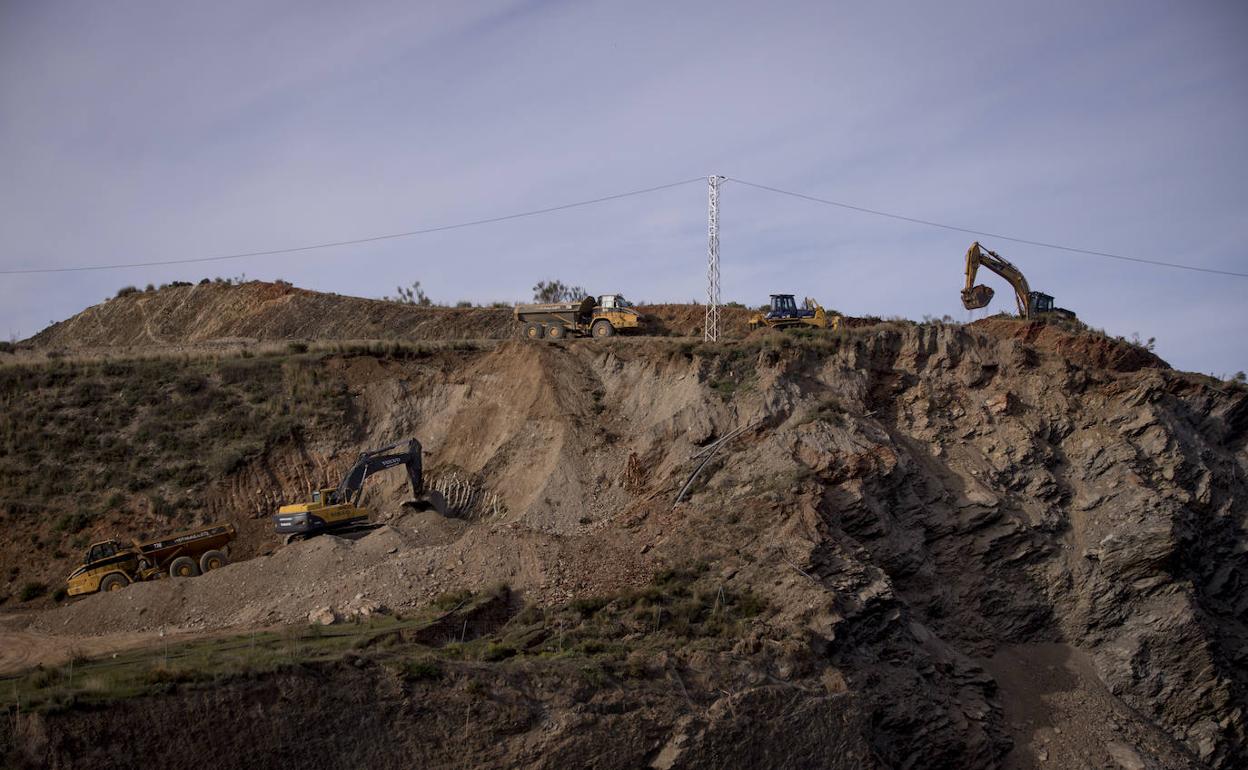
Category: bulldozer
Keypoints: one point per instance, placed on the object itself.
(1031, 304)
(336, 510)
(783, 313)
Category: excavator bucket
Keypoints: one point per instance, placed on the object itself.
(976, 297)
(429, 500)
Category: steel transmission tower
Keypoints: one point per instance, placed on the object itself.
(710, 329)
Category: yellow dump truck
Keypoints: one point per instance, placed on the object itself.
(112, 565)
(591, 317)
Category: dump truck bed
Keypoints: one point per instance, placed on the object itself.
(556, 312)
(193, 541)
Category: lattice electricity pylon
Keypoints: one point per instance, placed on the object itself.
(710, 329)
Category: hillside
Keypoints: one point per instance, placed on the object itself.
(260, 311)
(929, 545)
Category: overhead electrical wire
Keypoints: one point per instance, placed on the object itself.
(617, 196)
(999, 236)
(353, 241)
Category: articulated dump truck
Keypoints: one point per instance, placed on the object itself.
(603, 316)
(112, 565)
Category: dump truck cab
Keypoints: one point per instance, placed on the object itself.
(613, 302)
(613, 314)
(104, 551)
(108, 557)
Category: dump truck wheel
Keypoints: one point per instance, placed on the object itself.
(212, 560)
(556, 331)
(534, 331)
(114, 582)
(603, 329)
(183, 566)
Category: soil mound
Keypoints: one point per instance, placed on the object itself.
(260, 311)
(1087, 348)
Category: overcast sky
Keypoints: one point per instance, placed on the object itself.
(140, 131)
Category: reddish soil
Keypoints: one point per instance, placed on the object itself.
(1089, 349)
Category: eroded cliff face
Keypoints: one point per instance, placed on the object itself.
(978, 548)
(1009, 496)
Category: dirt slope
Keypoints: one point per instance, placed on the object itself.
(920, 505)
(260, 311)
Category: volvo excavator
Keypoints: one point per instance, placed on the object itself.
(336, 510)
(1031, 304)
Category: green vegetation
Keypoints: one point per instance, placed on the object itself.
(32, 591)
(596, 638)
(829, 410)
(149, 431)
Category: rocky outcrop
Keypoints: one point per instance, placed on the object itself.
(922, 507)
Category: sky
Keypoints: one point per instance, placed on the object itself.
(138, 131)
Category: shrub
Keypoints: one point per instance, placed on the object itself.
(297, 347)
(588, 606)
(412, 295)
(557, 291)
(463, 303)
(451, 600)
(494, 652)
(424, 670)
(73, 523)
(32, 591)
(126, 291)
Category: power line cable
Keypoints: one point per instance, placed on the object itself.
(929, 223)
(353, 241)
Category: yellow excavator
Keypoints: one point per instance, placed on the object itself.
(337, 510)
(1031, 304)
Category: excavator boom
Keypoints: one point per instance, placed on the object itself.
(974, 297)
(379, 460)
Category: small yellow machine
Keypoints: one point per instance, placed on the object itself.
(591, 317)
(112, 565)
(336, 509)
(785, 314)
